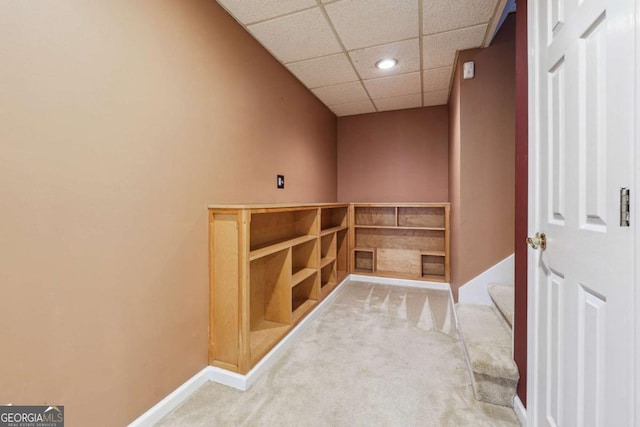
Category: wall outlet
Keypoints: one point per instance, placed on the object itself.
(280, 181)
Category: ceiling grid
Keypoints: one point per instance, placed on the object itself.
(332, 46)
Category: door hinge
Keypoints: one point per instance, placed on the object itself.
(625, 216)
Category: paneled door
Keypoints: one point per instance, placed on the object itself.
(581, 334)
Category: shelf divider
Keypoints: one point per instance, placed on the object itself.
(302, 274)
(277, 246)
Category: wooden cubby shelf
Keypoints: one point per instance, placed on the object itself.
(363, 260)
(272, 247)
(333, 230)
(326, 261)
(263, 336)
(302, 274)
(270, 265)
(304, 298)
(404, 240)
(400, 227)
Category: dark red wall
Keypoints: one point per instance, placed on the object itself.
(520, 246)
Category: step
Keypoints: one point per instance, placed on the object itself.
(502, 297)
(487, 342)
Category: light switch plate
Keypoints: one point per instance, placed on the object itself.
(468, 70)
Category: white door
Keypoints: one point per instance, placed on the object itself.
(581, 317)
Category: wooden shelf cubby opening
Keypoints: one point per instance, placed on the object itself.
(430, 217)
(333, 218)
(304, 257)
(342, 254)
(328, 247)
(432, 266)
(328, 275)
(414, 239)
(269, 309)
(271, 228)
(304, 297)
(375, 215)
(270, 278)
(364, 260)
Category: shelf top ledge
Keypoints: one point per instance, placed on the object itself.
(400, 204)
(276, 205)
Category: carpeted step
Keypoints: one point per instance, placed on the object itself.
(502, 297)
(487, 341)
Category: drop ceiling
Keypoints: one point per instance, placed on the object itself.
(332, 46)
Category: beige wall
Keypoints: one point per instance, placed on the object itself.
(120, 122)
(394, 156)
(482, 158)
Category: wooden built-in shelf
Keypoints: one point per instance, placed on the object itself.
(271, 265)
(273, 247)
(302, 274)
(302, 307)
(326, 261)
(264, 336)
(404, 240)
(333, 230)
(326, 289)
(294, 253)
(433, 253)
(433, 278)
(394, 227)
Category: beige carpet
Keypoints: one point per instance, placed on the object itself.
(379, 356)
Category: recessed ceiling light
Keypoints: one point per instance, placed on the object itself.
(385, 64)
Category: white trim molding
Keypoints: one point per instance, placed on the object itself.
(390, 281)
(475, 290)
(635, 218)
(173, 400)
(520, 410)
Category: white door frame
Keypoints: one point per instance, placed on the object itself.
(533, 257)
(635, 215)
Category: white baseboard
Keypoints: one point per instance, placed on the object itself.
(228, 378)
(520, 410)
(398, 282)
(173, 400)
(475, 290)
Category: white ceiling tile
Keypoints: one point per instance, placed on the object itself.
(299, 35)
(407, 52)
(399, 102)
(438, 97)
(341, 94)
(447, 15)
(436, 79)
(439, 50)
(249, 11)
(387, 87)
(324, 71)
(303, 35)
(362, 23)
(360, 107)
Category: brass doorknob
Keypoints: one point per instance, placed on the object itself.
(538, 241)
